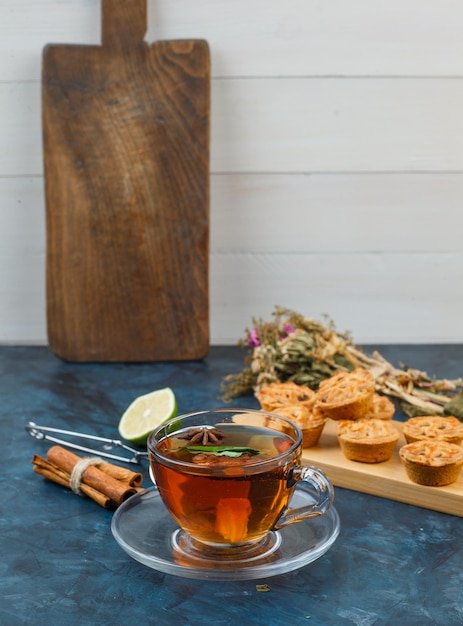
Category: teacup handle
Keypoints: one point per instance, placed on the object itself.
(323, 490)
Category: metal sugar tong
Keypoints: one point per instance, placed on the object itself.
(42, 433)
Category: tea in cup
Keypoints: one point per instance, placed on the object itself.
(227, 477)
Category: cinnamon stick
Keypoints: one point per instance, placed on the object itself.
(107, 484)
(53, 473)
(134, 479)
(92, 476)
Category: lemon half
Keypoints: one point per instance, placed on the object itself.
(146, 413)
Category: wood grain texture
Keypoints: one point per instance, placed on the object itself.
(126, 147)
(294, 125)
(336, 213)
(387, 480)
(337, 125)
(339, 239)
(309, 37)
(297, 37)
(403, 298)
(336, 159)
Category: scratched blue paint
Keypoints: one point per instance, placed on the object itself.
(392, 563)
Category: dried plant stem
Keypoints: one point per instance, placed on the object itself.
(307, 351)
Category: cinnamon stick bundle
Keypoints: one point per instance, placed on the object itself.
(107, 484)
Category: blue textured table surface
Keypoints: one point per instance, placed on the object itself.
(392, 563)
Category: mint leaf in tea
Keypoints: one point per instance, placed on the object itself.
(232, 451)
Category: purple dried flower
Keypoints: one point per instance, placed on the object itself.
(253, 339)
(289, 329)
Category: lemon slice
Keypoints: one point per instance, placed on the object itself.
(146, 413)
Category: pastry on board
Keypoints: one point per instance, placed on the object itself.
(448, 429)
(382, 408)
(275, 395)
(432, 462)
(346, 395)
(311, 422)
(367, 440)
(333, 380)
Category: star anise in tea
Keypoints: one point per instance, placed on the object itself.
(203, 436)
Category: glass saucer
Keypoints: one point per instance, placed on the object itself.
(146, 531)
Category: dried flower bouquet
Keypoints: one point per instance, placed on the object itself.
(305, 351)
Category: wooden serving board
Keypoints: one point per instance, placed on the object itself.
(387, 480)
(126, 156)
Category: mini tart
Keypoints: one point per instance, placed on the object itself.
(311, 423)
(382, 408)
(327, 383)
(448, 429)
(432, 462)
(347, 396)
(367, 440)
(275, 395)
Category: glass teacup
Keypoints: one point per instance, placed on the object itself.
(227, 477)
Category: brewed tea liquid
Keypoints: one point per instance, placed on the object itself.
(237, 500)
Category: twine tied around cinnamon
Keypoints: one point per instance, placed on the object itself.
(108, 484)
(77, 473)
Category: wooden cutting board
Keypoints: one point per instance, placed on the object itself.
(387, 480)
(126, 157)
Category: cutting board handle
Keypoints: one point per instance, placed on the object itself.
(123, 23)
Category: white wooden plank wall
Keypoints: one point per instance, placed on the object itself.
(336, 160)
